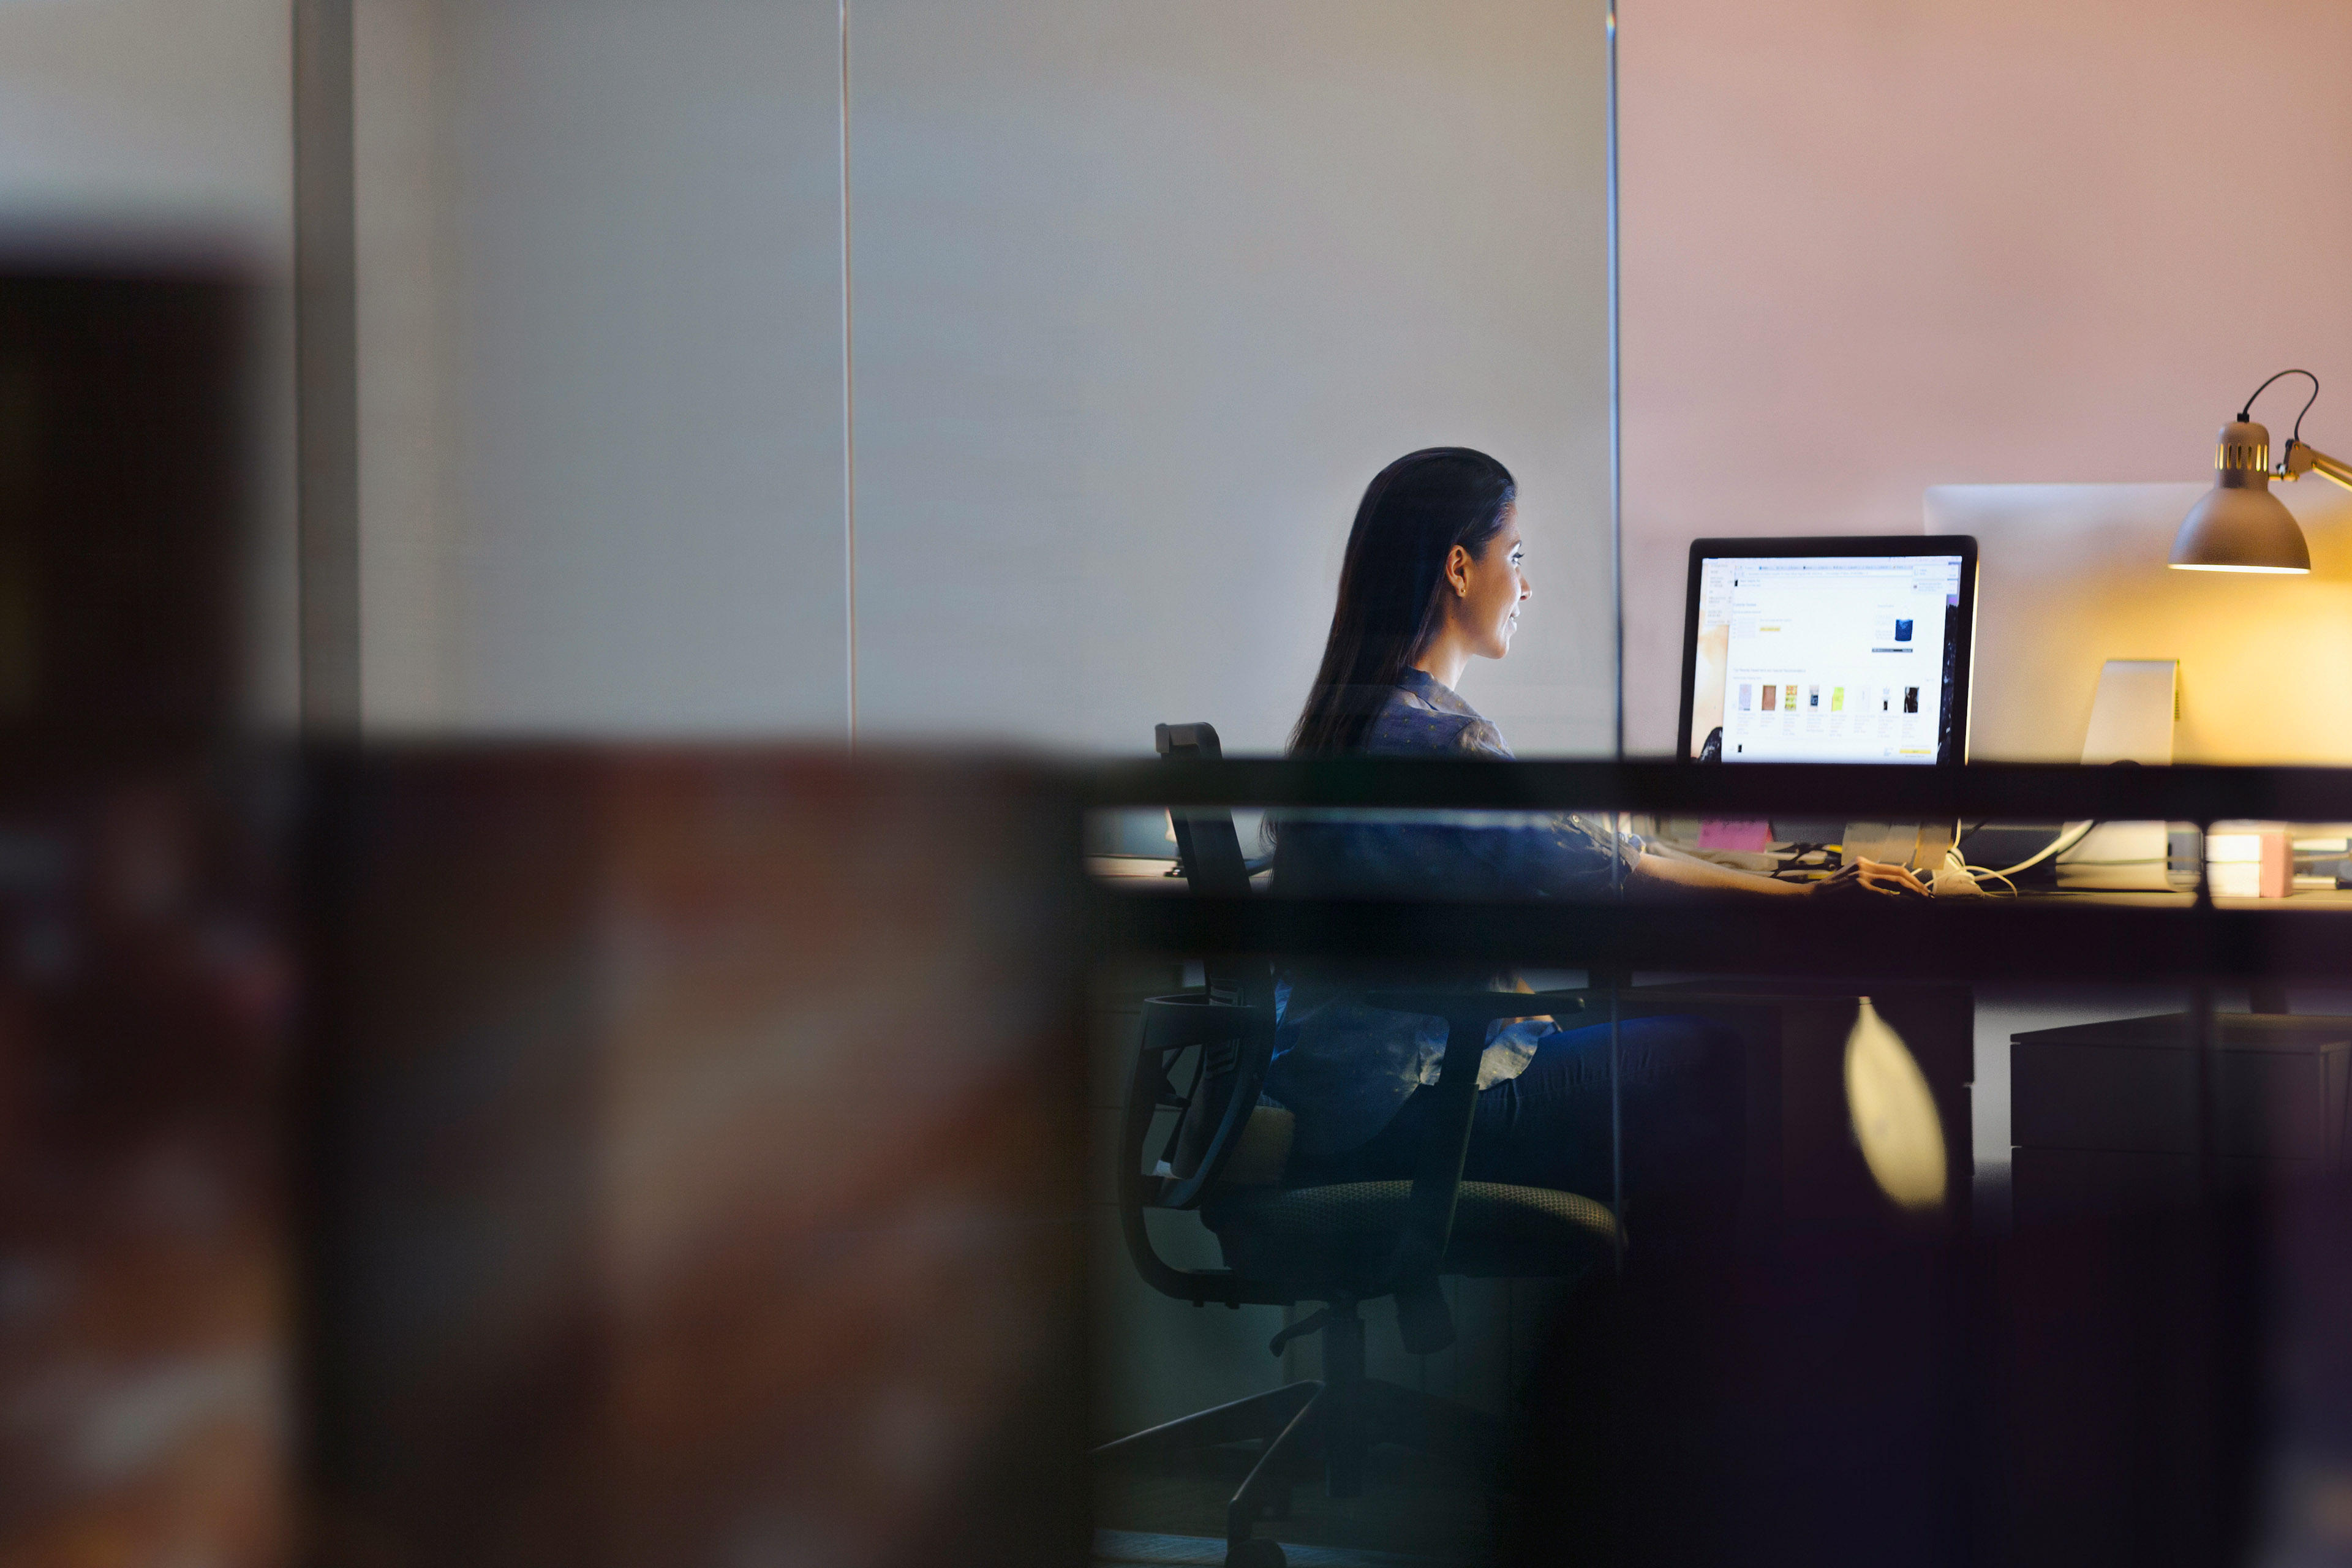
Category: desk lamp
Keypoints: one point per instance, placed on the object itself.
(2240, 526)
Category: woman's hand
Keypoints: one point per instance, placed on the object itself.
(1657, 875)
(1865, 878)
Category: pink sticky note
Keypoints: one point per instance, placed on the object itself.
(1734, 834)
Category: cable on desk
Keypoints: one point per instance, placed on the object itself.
(1978, 873)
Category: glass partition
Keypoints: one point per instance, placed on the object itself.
(701, 1155)
(1869, 1166)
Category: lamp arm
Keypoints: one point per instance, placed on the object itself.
(2302, 460)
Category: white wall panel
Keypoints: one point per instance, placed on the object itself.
(170, 115)
(1146, 294)
(602, 453)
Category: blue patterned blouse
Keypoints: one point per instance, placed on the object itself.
(1342, 1068)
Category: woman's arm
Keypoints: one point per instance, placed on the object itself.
(1664, 876)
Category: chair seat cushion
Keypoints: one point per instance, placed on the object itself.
(1339, 1237)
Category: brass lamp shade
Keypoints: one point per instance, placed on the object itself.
(2240, 526)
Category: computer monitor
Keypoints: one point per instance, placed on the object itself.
(1829, 650)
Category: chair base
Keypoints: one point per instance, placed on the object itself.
(1333, 1422)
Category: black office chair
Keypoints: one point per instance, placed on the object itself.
(1341, 1245)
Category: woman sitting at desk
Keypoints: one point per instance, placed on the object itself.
(1432, 577)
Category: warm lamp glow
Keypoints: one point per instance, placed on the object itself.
(2270, 571)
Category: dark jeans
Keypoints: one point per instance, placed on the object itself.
(1683, 1116)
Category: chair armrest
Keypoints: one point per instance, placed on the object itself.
(1183, 1021)
(1437, 1176)
(1197, 1286)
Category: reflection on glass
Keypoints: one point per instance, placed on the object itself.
(1973, 1172)
(1893, 1113)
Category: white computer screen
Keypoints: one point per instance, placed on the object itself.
(1826, 659)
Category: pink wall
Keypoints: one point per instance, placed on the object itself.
(1872, 245)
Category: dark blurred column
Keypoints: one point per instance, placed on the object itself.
(144, 987)
(326, 329)
(123, 459)
(692, 1163)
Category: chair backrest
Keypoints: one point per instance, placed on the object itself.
(1208, 851)
(1232, 1066)
(1209, 858)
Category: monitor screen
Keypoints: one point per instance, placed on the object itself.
(1799, 656)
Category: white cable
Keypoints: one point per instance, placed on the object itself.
(1981, 872)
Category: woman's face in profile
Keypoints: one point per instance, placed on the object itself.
(1494, 589)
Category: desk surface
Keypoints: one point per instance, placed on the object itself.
(1129, 869)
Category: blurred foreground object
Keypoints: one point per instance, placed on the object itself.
(694, 1160)
(145, 988)
(143, 1261)
(123, 446)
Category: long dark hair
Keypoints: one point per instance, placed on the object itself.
(1392, 583)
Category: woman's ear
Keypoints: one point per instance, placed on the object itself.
(1457, 571)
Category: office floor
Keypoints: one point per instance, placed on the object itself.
(1412, 1510)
